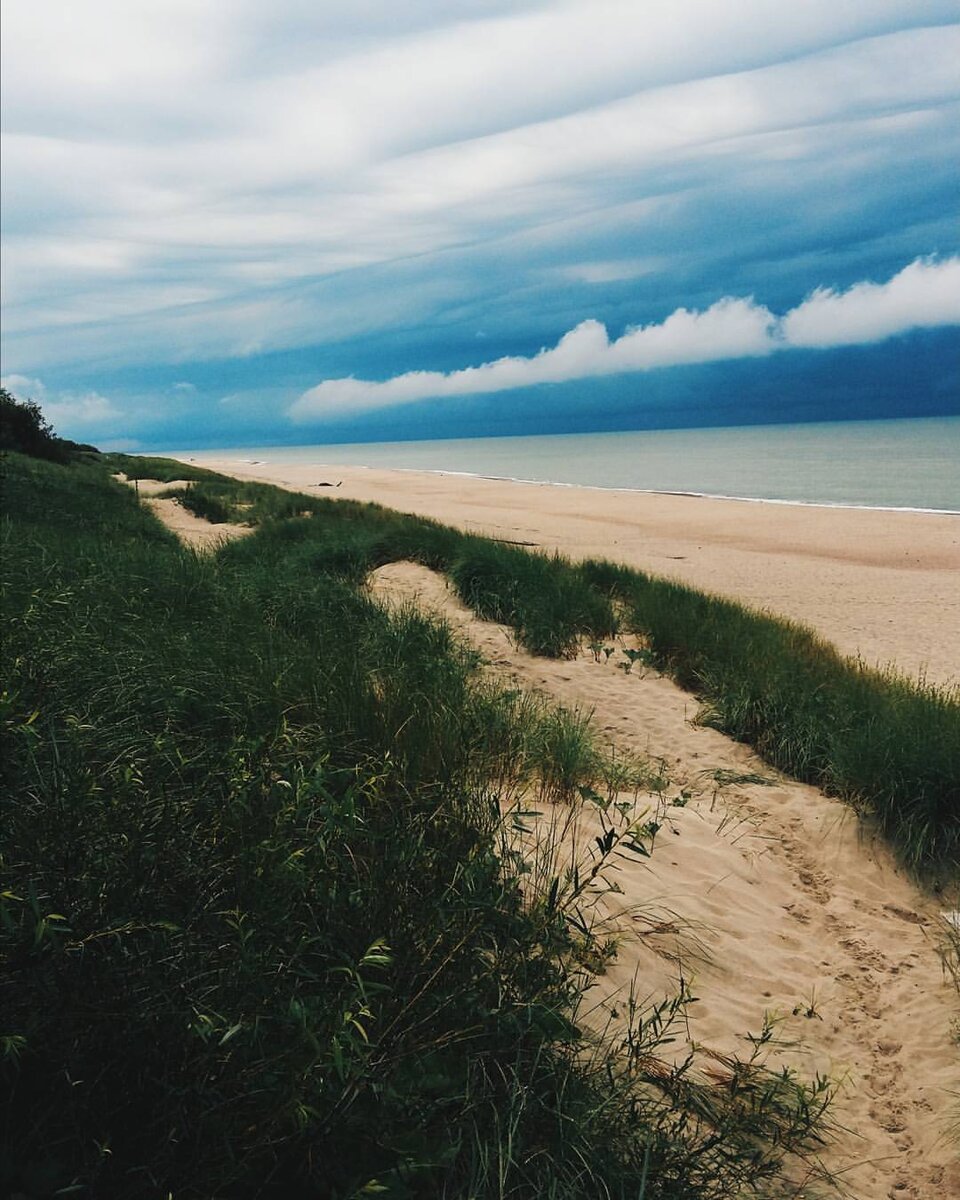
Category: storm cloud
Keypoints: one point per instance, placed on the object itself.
(922, 295)
(198, 190)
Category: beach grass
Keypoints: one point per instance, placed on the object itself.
(544, 599)
(265, 930)
(888, 745)
(166, 470)
(246, 504)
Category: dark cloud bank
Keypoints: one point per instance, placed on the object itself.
(917, 375)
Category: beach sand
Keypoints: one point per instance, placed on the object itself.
(770, 898)
(884, 585)
(189, 528)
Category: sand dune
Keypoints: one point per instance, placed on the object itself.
(767, 895)
(884, 585)
(799, 913)
(193, 530)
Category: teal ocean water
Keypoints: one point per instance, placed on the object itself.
(912, 463)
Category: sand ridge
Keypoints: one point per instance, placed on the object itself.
(773, 899)
(884, 585)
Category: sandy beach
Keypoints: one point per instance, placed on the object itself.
(884, 585)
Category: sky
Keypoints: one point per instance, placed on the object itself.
(227, 223)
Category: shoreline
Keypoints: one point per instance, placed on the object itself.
(877, 583)
(588, 487)
(612, 487)
(890, 464)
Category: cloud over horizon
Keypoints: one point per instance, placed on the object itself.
(253, 199)
(924, 294)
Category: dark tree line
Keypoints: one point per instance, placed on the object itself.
(24, 428)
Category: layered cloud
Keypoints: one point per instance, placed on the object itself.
(182, 180)
(924, 294)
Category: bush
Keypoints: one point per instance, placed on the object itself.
(24, 429)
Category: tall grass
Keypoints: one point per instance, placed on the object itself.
(888, 745)
(143, 466)
(222, 500)
(546, 600)
(260, 934)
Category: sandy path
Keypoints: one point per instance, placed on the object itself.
(885, 585)
(193, 530)
(796, 908)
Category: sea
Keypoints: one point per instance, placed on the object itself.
(910, 463)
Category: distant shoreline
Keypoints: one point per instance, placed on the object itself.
(906, 465)
(589, 487)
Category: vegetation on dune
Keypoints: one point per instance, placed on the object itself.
(143, 466)
(546, 600)
(265, 928)
(886, 744)
(25, 430)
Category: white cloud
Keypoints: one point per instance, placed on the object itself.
(609, 270)
(729, 329)
(177, 154)
(23, 387)
(73, 413)
(923, 294)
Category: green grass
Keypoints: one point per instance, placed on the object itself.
(142, 466)
(545, 599)
(263, 928)
(886, 744)
(241, 503)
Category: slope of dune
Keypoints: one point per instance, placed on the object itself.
(882, 585)
(765, 897)
(193, 530)
(773, 901)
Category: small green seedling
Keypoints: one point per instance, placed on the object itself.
(644, 657)
(808, 1008)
